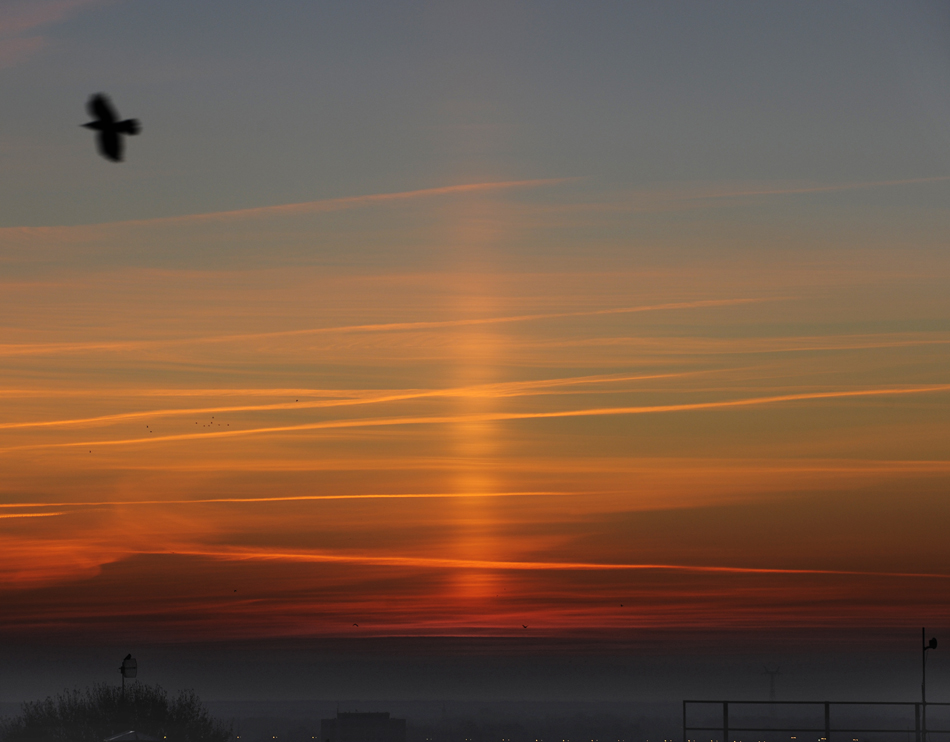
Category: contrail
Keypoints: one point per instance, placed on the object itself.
(349, 202)
(506, 565)
(496, 391)
(287, 498)
(748, 346)
(821, 189)
(492, 417)
(678, 199)
(118, 346)
(311, 207)
(28, 349)
(434, 324)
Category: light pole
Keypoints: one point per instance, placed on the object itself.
(925, 645)
(129, 669)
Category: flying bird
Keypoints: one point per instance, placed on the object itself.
(109, 127)
(524, 625)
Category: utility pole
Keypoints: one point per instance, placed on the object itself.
(925, 645)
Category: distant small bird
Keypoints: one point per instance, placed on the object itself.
(356, 624)
(109, 127)
(524, 626)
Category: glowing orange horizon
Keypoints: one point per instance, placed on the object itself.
(462, 450)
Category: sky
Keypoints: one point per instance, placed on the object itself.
(529, 324)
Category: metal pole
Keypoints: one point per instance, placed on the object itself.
(827, 721)
(725, 721)
(684, 721)
(917, 722)
(923, 683)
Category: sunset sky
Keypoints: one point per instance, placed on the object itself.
(447, 318)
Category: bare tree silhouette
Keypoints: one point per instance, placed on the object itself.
(101, 711)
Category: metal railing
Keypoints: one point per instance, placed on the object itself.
(920, 731)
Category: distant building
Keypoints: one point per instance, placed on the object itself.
(357, 727)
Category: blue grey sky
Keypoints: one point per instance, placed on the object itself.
(628, 315)
(248, 104)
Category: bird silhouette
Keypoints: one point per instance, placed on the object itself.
(524, 626)
(109, 127)
(356, 624)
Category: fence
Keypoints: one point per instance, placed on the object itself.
(920, 730)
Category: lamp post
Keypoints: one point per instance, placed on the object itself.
(129, 669)
(925, 645)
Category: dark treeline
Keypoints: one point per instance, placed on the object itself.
(101, 711)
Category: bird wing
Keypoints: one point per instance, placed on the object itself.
(110, 145)
(129, 126)
(100, 108)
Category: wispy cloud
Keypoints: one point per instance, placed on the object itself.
(15, 50)
(436, 324)
(733, 471)
(19, 21)
(494, 417)
(303, 207)
(756, 345)
(23, 349)
(239, 554)
(260, 500)
(793, 190)
(351, 202)
(686, 196)
(361, 397)
(30, 349)
(19, 16)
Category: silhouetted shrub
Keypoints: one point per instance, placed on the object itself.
(93, 714)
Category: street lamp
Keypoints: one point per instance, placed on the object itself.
(129, 669)
(925, 645)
